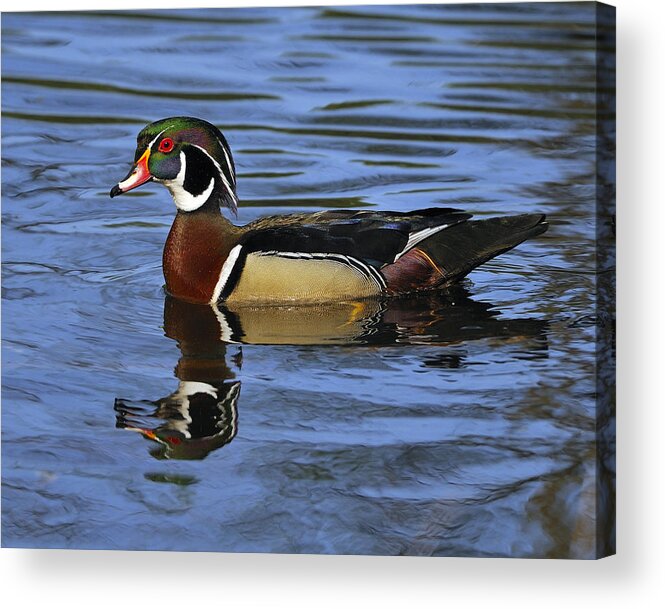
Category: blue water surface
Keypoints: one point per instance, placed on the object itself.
(462, 423)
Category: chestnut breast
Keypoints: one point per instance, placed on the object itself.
(194, 253)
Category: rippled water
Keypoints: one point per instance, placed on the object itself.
(457, 424)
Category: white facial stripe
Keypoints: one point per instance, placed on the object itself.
(225, 273)
(157, 137)
(228, 162)
(221, 173)
(183, 199)
(130, 182)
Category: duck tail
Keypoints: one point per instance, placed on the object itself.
(450, 255)
(470, 244)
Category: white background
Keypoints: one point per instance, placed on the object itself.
(633, 578)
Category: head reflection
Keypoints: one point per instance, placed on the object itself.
(201, 415)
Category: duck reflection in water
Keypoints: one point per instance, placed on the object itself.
(202, 414)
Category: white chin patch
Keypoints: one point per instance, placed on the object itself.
(184, 200)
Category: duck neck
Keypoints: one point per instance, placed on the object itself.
(197, 246)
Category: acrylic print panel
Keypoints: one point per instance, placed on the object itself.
(474, 419)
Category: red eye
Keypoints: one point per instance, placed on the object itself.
(166, 145)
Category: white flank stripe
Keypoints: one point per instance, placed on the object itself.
(417, 237)
(224, 274)
(366, 269)
(225, 331)
(372, 272)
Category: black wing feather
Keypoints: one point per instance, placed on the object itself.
(374, 237)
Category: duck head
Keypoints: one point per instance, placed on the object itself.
(190, 157)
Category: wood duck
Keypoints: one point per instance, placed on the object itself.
(326, 256)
